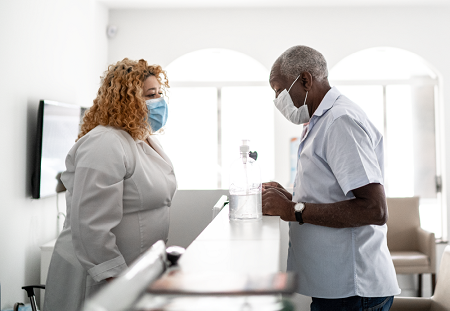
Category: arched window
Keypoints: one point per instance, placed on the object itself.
(217, 98)
(398, 91)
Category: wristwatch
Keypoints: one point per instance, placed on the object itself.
(298, 210)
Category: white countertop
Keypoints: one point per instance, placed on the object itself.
(227, 247)
(238, 247)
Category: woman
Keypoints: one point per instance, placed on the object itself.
(119, 182)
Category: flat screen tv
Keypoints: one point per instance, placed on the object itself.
(58, 126)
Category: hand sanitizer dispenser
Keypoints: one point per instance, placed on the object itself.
(245, 187)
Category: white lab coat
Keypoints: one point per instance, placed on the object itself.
(118, 196)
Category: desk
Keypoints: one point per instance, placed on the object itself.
(239, 247)
(234, 247)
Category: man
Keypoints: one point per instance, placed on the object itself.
(338, 210)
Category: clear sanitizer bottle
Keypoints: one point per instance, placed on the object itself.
(245, 187)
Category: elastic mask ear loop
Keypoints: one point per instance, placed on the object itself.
(293, 83)
(305, 98)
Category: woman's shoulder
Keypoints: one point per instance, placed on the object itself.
(106, 135)
(104, 141)
(154, 140)
(103, 149)
(107, 131)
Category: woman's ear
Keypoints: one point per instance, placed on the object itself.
(307, 81)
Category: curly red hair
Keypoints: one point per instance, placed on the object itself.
(120, 100)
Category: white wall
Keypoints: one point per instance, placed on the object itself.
(162, 35)
(49, 49)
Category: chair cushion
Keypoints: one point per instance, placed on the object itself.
(402, 259)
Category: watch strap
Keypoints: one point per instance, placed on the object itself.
(299, 215)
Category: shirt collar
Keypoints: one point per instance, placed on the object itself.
(327, 102)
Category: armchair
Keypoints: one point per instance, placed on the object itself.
(440, 301)
(413, 250)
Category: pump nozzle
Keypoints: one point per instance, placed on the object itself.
(244, 148)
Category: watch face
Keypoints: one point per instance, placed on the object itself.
(299, 207)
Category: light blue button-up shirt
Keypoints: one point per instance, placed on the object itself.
(341, 150)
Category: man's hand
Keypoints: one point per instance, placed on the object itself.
(275, 203)
(277, 186)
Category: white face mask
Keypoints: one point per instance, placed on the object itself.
(286, 106)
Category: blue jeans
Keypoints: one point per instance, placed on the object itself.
(354, 303)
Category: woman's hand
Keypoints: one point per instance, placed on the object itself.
(274, 185)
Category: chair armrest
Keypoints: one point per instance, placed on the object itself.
(426, 244)
(411, 304)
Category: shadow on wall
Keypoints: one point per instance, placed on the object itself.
(190, 213)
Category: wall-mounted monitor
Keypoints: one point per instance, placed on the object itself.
(58, 126)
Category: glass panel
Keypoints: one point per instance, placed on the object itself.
(216, 65)
(424, 147)
(248, 113)
(423, 113)
(430, 216)
(381, 63)
(399, 155)
(190, 137)
(370, 99)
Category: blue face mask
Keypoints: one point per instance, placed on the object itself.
(157, 113)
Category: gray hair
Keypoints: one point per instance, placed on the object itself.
(300, 58)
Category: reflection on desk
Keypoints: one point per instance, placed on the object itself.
(211, 303)
(177, 282)
(234, 248)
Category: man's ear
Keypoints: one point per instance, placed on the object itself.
(307, 81)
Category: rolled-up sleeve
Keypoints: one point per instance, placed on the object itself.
(350, 153)
(100, 169)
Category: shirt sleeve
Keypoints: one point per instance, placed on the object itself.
(351, 155)
(96, 208)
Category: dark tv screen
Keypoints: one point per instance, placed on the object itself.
(58, 126)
